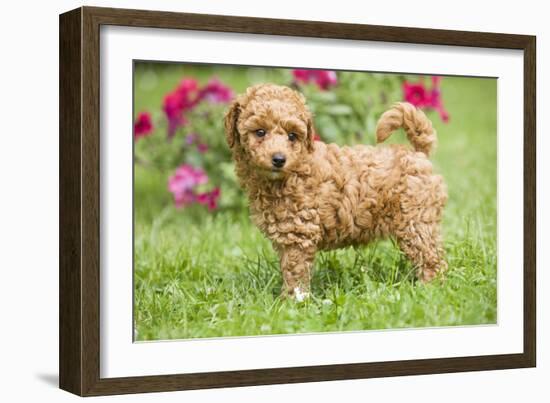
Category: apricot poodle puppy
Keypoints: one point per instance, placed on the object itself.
(307, 196)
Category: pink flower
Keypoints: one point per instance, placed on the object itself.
(209, 199)
(183, 186)
(323, 78)
(143, 126)
(216, 92)
(183, 183)
(421, 97)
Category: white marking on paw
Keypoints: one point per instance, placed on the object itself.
(300, 295)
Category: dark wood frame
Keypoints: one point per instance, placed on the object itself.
(79, 200)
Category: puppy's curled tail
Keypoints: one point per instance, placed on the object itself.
(418, 127)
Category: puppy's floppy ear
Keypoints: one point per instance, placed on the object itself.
(310, 133)
(230, 122)
(307, 115)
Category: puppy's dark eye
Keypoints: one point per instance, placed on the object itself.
(292, 137)
(260, 132)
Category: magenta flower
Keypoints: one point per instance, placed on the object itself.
(416, 94)
(324, 79)
(143, 126)
(174, 112)
(184, 98)
(216, 92)
(209, 199)
(189, 92)
(202, 148)
(301, 75)
(435, 99)
(187, 96)
(421, 97)
(182, 184)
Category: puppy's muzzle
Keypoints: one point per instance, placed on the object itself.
(278, 160)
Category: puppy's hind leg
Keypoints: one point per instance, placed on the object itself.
(296, 268)
(421, 243)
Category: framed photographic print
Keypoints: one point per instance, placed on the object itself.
(249, 201)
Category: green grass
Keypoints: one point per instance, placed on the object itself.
(198, 274)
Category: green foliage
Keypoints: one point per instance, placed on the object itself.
(347, 114)
(220, 277)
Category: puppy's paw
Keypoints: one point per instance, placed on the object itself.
(297, 294)
(300, 295)
(428, 276)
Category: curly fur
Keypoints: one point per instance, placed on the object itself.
(326, 196)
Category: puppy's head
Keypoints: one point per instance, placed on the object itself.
(272, 127)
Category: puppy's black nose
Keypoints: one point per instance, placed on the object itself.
(278, 160)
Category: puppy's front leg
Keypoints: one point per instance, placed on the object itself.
(296, 267)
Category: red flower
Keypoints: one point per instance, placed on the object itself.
(323, 78)
(421, 97)
(143, 126)
(209, 199)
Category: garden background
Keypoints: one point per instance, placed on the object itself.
(202, 269)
